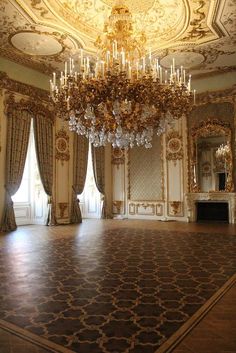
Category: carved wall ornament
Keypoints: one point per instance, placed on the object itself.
(117, 206)
(118, 156)
(176, 207)
(174, 146)
(145, 208)
(206, 169)
(62, 146)
(63, 206)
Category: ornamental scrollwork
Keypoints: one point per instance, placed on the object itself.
(118, 156)
(174, 146)
(62, 146)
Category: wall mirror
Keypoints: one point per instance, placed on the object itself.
(211, 165)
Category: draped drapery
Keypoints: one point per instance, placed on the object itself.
(43, 134)
(98, 159)
(80, 162)
(18, 131)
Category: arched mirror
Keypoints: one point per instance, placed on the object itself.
(211, 157)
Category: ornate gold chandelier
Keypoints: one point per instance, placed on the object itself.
(125, 96)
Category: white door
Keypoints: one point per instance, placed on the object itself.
(90, 199)
(30, 201)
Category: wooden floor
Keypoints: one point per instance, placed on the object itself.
(215, 333)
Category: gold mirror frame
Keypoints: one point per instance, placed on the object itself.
(208, 128)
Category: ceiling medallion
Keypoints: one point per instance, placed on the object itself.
(125, 96)
(32, 43)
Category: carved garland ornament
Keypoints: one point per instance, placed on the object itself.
(62, 146)
(174, 146)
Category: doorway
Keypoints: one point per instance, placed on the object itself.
(30, 200)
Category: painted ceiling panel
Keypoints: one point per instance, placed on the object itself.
(42, 34)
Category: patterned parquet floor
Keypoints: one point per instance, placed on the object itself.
(111, 286)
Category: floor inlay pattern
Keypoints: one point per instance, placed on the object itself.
(123, 290)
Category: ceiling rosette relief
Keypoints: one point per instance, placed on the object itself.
(42, 34)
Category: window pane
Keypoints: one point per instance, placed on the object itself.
(22, 194)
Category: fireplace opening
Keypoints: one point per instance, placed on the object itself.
(213, 211)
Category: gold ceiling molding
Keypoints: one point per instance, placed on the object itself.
(198, 25)
(23, 59)
(27, 90)
(165, 18)
(190, 27)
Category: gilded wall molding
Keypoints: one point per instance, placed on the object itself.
(27, 90)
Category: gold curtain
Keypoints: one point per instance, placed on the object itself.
(98, 159)
(43, 134)
(81, 145)
(18, 130)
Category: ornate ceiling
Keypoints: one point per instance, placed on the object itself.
(42, 34)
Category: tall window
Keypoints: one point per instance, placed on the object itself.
(30, 201)
(90, 199)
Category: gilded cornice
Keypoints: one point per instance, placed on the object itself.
(227, 95)
(38, 109)
(19, 87)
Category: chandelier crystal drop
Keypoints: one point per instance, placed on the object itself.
(223, 152)
(124, 96)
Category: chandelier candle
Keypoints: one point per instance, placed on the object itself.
(124, 96)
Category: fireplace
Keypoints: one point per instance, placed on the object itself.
(212, 211)
(211, 206)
